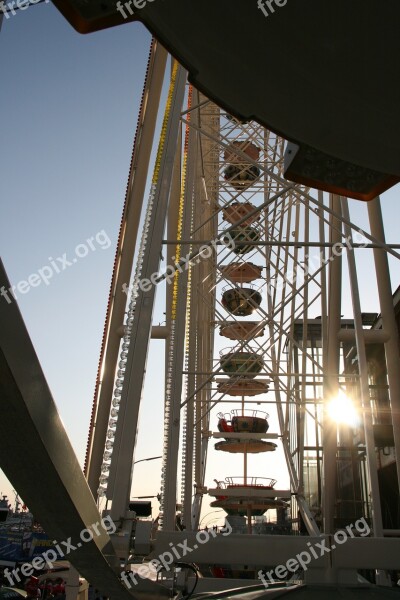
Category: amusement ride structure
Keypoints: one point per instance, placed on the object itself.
(253, 270)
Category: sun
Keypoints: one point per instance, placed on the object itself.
(342, 410)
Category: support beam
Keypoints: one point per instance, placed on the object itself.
(388, 322)
(272, 550)
(364, 384)
(331, 370)
(123, 263)
(120, 478)
(174, 367)
(371, 336)
(37, 456)
(159, 332)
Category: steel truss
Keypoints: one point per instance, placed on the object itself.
(299, 236)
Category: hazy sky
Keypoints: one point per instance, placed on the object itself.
(71, 104)
(69, 108)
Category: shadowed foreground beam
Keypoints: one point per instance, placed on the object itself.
(37, 456)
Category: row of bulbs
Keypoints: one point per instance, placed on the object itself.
(105, 467)
(167, 418)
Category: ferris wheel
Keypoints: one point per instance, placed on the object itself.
(258, 359)
(254, 278)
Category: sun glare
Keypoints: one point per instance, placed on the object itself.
(342, 410)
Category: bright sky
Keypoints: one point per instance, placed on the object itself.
(69, 109)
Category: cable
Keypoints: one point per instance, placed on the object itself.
(195, 571)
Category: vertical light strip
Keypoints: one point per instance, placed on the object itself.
(134, 295)
(189, 282)
(171, 342)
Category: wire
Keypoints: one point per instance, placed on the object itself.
(195, 571)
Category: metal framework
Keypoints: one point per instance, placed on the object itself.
(295, 238)
(255, 264)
